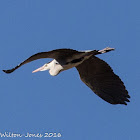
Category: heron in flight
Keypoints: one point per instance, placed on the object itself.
(94, 72)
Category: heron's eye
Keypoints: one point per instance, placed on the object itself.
(56, 63)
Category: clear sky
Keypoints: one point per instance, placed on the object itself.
(39, 103)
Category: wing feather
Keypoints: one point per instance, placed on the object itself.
(101, 79)
(60, 55)
(56, 54)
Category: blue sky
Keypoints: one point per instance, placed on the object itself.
(39, 103)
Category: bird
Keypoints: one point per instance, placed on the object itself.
(93, 71)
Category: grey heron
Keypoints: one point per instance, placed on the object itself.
(94, 72)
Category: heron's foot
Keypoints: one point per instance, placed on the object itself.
(107, 49)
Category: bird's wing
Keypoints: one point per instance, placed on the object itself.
(100, 78)
(56, 54)
(59, 54)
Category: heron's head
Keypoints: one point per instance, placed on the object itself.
(54, 68)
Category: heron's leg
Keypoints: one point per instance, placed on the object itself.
(107, 49)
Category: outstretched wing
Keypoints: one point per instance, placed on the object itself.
(56, 54)
(60, 55)
(101, 79)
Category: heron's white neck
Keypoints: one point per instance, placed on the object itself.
(54, 67)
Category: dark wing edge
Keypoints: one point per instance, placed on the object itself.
(50, 54)
(101, 79)
(32, 58)
(55, 54)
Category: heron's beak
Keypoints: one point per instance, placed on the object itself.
(39, 69)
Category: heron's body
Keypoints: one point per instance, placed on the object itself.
(94, 72)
